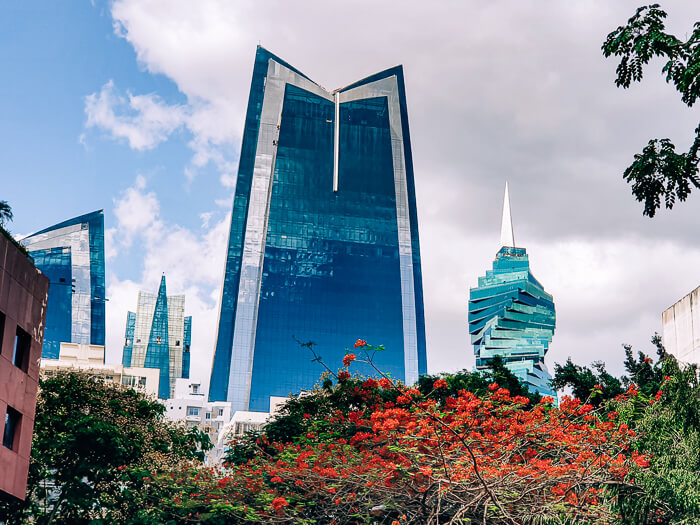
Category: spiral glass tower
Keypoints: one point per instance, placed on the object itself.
(510, 314)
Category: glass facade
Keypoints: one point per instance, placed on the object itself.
(71, 255)
(158, 336)
(323, 244)
(511, 315)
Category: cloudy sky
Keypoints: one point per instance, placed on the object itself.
(137, 106)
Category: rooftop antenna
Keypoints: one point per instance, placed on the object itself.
(507, 237)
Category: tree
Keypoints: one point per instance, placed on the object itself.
(658, 172)
(395, 454)
(597, 386)
(667, 432)
(321, 404)
(94, 446)
(5, 213)
(661, 405)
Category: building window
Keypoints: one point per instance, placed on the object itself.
(142, 381)
(208, 416)
(20, 354)
(192, 411)
(13, 423)
(221, 412)
(177, 342)
(195, 389)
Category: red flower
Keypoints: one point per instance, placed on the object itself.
(385, 382)
(343, 375)
(641, 461)
(440, 383)
(349, 358)
(360, 342)
(403, 400)
(278, 504)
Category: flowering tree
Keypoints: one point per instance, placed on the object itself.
(415, 459)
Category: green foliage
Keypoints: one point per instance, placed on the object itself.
(6, 216)
(477, 383)
(659, 172)
(5, 213)
(662, 405)
(668, 430)
(94, 443)
(597, 386)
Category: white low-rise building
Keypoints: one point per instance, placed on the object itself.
(191, 406)
(90, 359)
(246, 421)
(681, 327)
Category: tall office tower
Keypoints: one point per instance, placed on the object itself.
(72, 255)
(158, 335)
(323, 244)
(510, 314)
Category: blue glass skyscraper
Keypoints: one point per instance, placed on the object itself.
(158, 335)
(72, 255)
(510, 314)
(323, 245)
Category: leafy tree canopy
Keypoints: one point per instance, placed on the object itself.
(94, 443)
(659, 174)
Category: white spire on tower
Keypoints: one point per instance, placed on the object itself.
(507, 238)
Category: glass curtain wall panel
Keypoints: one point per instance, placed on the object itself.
(323, 245)
(71, 254)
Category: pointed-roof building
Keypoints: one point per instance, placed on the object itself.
(158, 336)
(510, 314)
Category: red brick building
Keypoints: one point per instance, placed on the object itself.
(23, 298)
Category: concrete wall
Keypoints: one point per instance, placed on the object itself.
(23, 298)
(681, 328)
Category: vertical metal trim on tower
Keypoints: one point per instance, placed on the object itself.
(243, 345)
(336, 141)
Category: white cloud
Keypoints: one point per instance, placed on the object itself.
(137, 213)
(495, 91)
(143, 120)
(192, 262)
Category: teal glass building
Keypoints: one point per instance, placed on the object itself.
(158, 335)
(72, 255)
(510, 314)
(323, 244)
